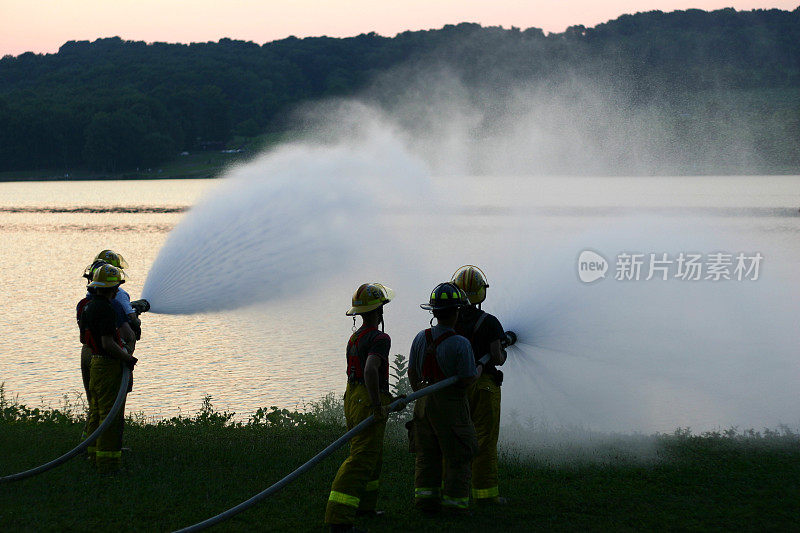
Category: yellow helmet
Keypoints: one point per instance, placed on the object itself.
(472, 281)
(368, 297)
(106, 276)
(112, 258)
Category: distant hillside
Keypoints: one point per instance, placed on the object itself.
(113, 105)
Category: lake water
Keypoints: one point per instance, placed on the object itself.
(290, 352)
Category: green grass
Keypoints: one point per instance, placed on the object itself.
(185, 470)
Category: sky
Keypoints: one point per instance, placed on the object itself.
(42, 26)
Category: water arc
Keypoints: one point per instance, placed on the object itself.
(278, 225)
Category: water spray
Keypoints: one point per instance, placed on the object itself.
(650, 355)
(282, 224)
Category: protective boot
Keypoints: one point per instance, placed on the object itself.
(346, 528)
(498, 500)
(371, 514)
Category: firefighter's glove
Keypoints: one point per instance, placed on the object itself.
(131, 362)
(380, 412)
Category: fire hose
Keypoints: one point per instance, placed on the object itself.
(397, 405)
(123, 392)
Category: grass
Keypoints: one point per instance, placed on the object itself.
(186, 469)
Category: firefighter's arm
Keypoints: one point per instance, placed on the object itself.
(497, 353)
(116, 351)
(372, 382)
(128, 336)
(466, 363)
(413, 378)
(371, 378)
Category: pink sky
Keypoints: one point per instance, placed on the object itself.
(44, 25)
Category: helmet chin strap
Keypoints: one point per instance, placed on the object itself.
(354, 322)
(431, 322)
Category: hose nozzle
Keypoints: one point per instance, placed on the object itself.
(140, 306)
(509, 339)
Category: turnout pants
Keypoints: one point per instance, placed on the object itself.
(86, 360)
(105, 377)
(445, 442)
(484, 405)
(355, 487)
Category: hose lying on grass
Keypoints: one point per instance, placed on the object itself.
(118, 403)
(396, 405)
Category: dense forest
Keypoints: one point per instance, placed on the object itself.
(111, 105)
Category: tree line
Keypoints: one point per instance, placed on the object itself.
(111, 104)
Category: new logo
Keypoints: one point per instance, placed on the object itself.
(591, 266)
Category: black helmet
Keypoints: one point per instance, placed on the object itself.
(88, 273)
(446, 295)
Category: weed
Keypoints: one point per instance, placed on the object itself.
(400, 387)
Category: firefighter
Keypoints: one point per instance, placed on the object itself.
(113, 258)
(485, 334)
(354, 490)
(123, 323)
(99, 331)
(444, 437)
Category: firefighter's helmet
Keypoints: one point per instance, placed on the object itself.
(369, 297)
(445, 295)
(472, 281)
(112, 258)
(88, 272)
(107, 276)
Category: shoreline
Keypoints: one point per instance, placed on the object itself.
(218, 172)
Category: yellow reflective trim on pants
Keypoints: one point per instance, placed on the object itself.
(492, 492)
(426, 492)
(459, 503)
(112, 455)
(372, 485)
(344, 499)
